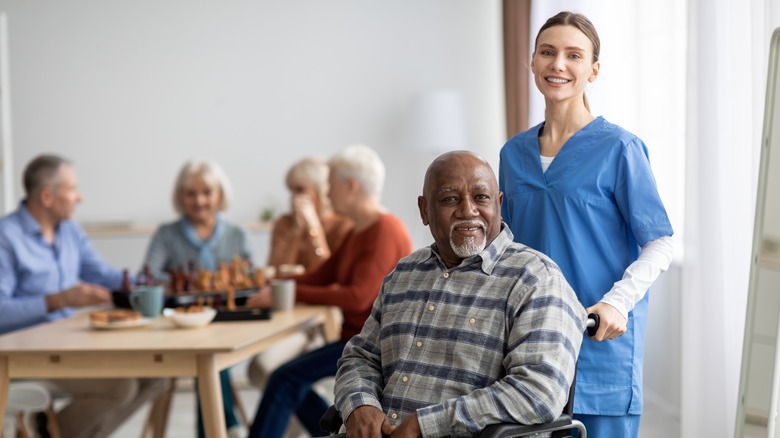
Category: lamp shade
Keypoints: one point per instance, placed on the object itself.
(437, 121)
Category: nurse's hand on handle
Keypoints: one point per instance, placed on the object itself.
(612, 324)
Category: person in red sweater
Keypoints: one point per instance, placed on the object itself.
(350, 279)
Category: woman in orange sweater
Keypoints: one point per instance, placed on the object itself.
(350, 279)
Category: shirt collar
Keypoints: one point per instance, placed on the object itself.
(28, 222)
(489, 256)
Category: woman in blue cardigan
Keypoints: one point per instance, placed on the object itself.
(201, 236)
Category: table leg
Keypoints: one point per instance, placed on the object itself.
(211, 397)
(331, 326)
(5, 383)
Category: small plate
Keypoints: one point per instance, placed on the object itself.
(116, 325)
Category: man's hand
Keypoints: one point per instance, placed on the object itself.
(80, 295)
(369, 422)
(612, 324)
(409, 428)
(261, 299)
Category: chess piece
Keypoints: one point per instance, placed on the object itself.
(203, 280)
(222, 277)
(231, 299)
(176, 280)
(149, 279)
(126, 285)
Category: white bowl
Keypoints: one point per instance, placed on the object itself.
(189, 320)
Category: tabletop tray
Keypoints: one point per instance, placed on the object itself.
(121, 298)
(242, 314)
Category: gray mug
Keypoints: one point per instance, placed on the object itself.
(148, 300)
(283, 293)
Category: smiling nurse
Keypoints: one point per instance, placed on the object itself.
(580, 189)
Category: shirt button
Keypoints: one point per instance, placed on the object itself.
(394, 416)
(405, 378)
(431, 307)
(446, 275)
(472, 321)
(419, 343)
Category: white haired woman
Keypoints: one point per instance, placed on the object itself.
(201, 237)
(349, 279)
(300, 242)
(308, 235)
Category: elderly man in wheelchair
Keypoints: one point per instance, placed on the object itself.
(473, 331)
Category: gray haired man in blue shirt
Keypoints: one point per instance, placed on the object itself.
(47, 268)
(474, 330)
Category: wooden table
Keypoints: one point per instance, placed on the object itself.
(72, 349)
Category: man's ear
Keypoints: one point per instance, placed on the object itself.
(423, 211)
(46, 196)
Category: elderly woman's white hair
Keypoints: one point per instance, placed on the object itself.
(362, 163)
(212, 175)
(312, 172)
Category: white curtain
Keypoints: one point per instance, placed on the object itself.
(728, 46)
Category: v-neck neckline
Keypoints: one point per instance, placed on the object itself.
(555, 164)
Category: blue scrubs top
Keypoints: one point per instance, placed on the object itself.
(590, 212)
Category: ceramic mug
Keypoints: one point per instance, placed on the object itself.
(148, 300)
(283, 293)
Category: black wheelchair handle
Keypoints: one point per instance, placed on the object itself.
(592, 324)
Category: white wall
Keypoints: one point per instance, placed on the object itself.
(129, 90)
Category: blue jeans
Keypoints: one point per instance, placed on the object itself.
(227, 403)
(289, 392)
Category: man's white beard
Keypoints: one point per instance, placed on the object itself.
(470, 246)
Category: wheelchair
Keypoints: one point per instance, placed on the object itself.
(562, 426)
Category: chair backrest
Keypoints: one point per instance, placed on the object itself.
(27, 397)
(331, 422)
(23, 398)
